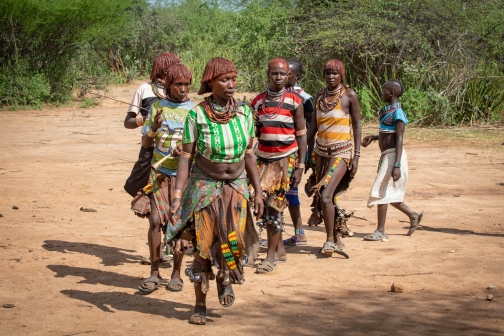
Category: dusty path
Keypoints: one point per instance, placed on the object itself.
(75, 273)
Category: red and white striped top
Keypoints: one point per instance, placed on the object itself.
(275, 127)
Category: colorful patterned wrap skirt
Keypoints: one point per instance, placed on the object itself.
(215, 214)
(324, 168)
(162, 187)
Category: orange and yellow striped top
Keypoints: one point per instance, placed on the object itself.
(334, 130)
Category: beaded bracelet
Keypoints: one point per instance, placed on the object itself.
(397, 165)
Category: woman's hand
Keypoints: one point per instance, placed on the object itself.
(158, 120)
(367, 141)
(353, 166)
(177, 150)
(258, 205)
(296, 177)
(396, 174)
(175, 205)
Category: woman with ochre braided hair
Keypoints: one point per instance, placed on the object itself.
(163, 131)
(218, 136)
(146, 94)
(337, 113)
(281, 132)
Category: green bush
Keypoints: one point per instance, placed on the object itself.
(366, 104)
(22, 87)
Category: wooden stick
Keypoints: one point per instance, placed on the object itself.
(100, 95)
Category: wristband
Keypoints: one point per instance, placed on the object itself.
(177, 193)
(151, 134)
(249, 151)
(300, 166)
(397, 165)
(301, 132)
(356, 153)
(186, 155)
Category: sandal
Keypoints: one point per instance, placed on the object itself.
(200, 315)
(146, 260)
(295, 241)
(266, 267)
(175, 282)
(223, 292)
(414, 223)
(280, 261)
(376, 236)
(328, 248)
(340, 251)
(154, 279)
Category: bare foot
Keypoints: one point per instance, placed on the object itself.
(281, 255)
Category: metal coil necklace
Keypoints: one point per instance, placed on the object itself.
(272, 112)
(155, 88)
(326, 106)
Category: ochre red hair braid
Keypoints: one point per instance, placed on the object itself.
(215, 67)
(335, 65)
(176, 71)
(278, 61)
(161, 64)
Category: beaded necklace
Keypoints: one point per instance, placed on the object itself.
(326, 106)
(388, 108)
(269, 112)
(155, 89)
(220, 114)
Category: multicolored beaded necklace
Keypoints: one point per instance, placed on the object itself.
(388, 108)
(220, 114)
(270, 112)
(326, 106)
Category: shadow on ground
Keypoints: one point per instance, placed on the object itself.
(361, 312)
(110, 256)
(459, 231)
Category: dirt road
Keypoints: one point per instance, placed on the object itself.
(70, 272)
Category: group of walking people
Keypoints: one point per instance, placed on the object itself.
(205, 170)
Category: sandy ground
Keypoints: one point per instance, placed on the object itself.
(72, 273)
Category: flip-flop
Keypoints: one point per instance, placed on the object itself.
(156, 280)
(294, 241)
(223, 292)
(266, 267)
(414, 223)
(376, 236)
(174, 282)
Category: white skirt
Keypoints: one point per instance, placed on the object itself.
(385, 190)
